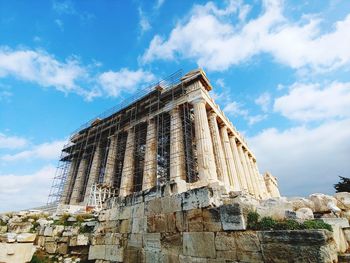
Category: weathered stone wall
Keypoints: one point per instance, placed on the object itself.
(198, 226)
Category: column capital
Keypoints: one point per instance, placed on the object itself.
(198, 100)
(212, 114)
(174, 110)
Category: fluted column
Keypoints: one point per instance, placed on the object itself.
(177, 150)
(205, 154)
(67, 186)
(94, 172)
(245, 169)
(231, 169)
(221, 167)
(127, 181)
(251, 174)
(238, 163)
(256, 177)
(79, 181)
(262, 186)
(110, 163)
(150, 163)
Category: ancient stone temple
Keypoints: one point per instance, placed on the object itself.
(174, 134)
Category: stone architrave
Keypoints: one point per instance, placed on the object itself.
(67, 186)
(238, 163)
(127, 181)
(221, 167)
(150, 164)
(231, 169)
(205, 154)
(245, 169)
(110, 163)
(177, 150)
(79, 181)
(94, 172)
(253, 175)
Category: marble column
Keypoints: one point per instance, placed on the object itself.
(127, 181)
(231, 169)
(79, 181)
(252, 174)
(221, 167)
(177, 150)
(257, 177)
(245, 169)
(238, 164)
(205, 154)
(110, 163)
(67, 185)
(150, 163)
(94, 172)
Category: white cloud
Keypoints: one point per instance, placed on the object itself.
(59, 23)
(45, 151)
(12, 142)
(144, 22)
(63, 7)
(213, 37)
(115, 82)
(305, 160)
(25, 191)
(256, 118)
(159, 4)
(69, 76)
(264, 101)
(309, 102)
(41, 68)
(235, 109)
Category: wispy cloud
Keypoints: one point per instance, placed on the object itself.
(12, 142)
(45, 151)
(144, 22)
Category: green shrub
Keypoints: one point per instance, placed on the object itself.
(253, 220)
(317, 224)
(2, 223)
(63, 220)
(85, 229)
(268, 223)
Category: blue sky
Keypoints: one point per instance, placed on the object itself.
(280, 71)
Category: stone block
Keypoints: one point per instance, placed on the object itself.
(170, 220)
(194, 220)
(151, 241)
(62, 248)
(97, 252)
(138, 210)
(171, 204)
(275, 208)
(304, 213)
(189, 259)
(212, 220)
(135, 240)
(232, 217)
(51, 247)
(340, 222)
(227, 255)
(171, 243)
(48, 232)
(138, 225)
(321, 202)
(114, 253)
(153, 207)
(170, 258)
(156, 223)
(199, 198)
(199, 244)
(125, 226)
(225, 241)
(343, 200)
(132, 255)
(153, 256)
(8, 237)
(124, 212)
(26, 238)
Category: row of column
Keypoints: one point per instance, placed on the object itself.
(220, 158)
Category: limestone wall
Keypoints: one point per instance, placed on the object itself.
(198, 226)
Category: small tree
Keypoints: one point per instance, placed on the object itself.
(343, 185)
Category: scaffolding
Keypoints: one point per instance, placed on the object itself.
(107, 133)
